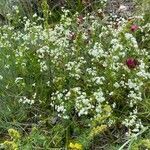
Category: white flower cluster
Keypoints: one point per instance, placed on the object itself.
(132, 39)
(97, 51)
(99, 96)
(74, 67)
(133, 123)
(82, 103)
(25, 100)
(77, 76)
(142, 71)
(42, 52)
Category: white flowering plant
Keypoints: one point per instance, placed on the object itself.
(82, 72)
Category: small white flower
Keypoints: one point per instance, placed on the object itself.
(1, 77)
(18, 79)
(33, 84)
(116, 85)
(122, 8)
(35, 15)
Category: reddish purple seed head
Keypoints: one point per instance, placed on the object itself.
(134, 27)
(132, 63)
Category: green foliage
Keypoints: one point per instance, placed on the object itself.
(71, 84)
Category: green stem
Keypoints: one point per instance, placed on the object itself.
(67, 137)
